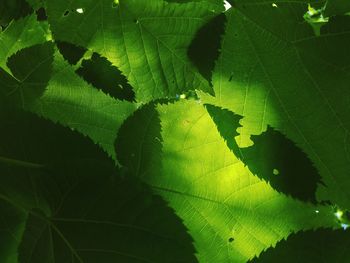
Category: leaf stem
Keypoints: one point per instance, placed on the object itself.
(15, 162)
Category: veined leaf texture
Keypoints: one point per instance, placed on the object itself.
(174, 131)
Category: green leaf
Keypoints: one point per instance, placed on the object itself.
(71, 205)
(231, 214)
(70, 101)
(146, 40)
(324, 245)
(72, 53)
(67, 99)
(31, 69)
(21, 34)
(272, 158)
(274, 71)
(218, 3)
(204, 49)
(11, 228)
(139, 151)
(101, 74)
(13, 9)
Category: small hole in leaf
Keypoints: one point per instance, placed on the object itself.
(66, 13)
(80, 10)
(231, 239)
(227, 5)
(136, 21)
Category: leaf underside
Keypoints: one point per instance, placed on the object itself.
(174, 131)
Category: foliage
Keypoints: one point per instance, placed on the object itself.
(174, 131)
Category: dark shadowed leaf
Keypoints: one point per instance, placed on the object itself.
(70, 52)
(324, 245)
(31, 70)
(337, 7)
(13, 9)
(103, 75)
(204, 49)
(272, 157)
(63, 201)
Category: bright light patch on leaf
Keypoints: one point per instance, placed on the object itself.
(344, 226)
(227, 5)
(80, 10)
(338, 214)
(311, 11)
(274, 5)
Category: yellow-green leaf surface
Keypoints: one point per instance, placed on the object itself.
(231, 214)
(273, 70)
(146, 40)
(72, 102)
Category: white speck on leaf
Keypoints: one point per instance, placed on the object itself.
(338, 214)
(227, 5)
(344, 226)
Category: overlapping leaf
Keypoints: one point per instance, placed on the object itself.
(13, 9)
(146, 40)
(272, 158)
(49, 86)
(61, 200)
(21, 34)
(69, 100)
(99, 72)
(324, 245)
(31, 69)
(274, 70)
(231, 214)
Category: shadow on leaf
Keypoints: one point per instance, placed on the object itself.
(324, 245)
(273, 157)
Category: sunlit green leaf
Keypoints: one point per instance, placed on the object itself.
(274, 71)
(231, 214)
(146, 40)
